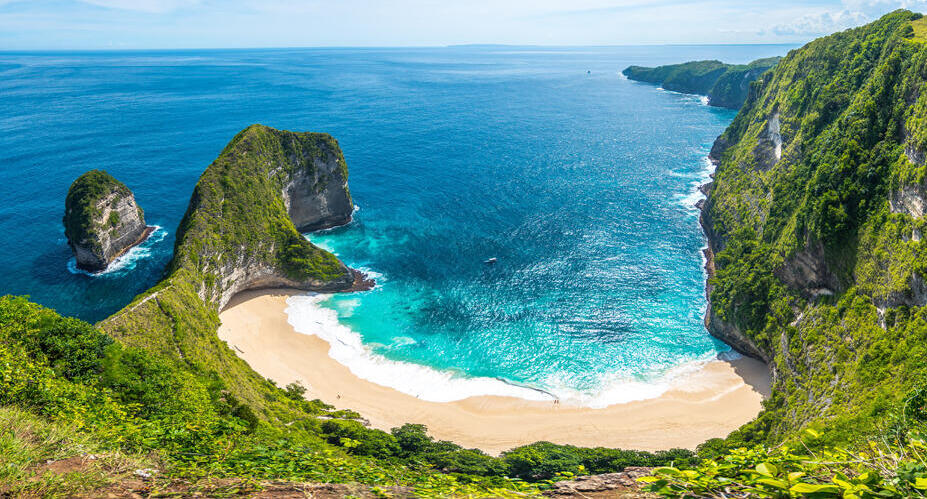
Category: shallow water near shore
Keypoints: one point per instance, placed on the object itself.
(579, 182)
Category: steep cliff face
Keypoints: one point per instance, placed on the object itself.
(814, 221)
(726, 85)
(101, 220)
(242, 229)
(239, 233)
(318, 198)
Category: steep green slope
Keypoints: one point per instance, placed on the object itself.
(726, 85)
(815, 225)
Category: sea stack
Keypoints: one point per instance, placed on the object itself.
(101, 220)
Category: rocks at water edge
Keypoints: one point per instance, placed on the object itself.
(101, 220)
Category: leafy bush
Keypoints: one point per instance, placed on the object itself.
(877, 471)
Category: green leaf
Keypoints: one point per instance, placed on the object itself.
(810, 488)
(767, 469)
(795, 475)
(920, 483)
(666, 470)
(774, 482)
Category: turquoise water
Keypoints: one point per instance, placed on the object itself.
(579, 182)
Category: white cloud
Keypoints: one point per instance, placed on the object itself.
(854, 13)
(821, 23)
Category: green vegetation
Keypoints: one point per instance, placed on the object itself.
(68, 390)
(878, 470)
(920, 29)
(726, 85)
(81, 204)
(154, 385)
(812, 266)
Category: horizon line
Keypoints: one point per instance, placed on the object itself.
(450, 46)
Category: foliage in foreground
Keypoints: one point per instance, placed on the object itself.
(784, 472)
(125, 401)
(892, 465)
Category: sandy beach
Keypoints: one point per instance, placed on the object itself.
(709, 403)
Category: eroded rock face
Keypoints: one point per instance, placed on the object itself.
(318, 198)
(242, 227)
(909, 199)
(768, 150)
(102, 220)
(807, 272)
(721, 329)
(623, 481)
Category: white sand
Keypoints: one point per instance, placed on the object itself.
(709, 403)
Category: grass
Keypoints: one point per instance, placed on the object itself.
(920, 29)
(42, 459)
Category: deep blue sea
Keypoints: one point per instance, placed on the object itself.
(580, 182)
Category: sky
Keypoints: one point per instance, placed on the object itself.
(152, 24)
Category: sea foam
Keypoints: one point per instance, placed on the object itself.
(126, 262)
(694, 193)
(308, 316)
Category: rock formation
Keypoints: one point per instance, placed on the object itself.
(101, 220)
(243, 227)
(241, 232)
(814, 221)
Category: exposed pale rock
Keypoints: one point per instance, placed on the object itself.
(101, 220)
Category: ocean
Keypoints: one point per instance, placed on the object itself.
(579, 182)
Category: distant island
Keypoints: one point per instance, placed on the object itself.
(726, 85)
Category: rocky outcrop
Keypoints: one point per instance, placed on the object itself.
(733, 87)
(721, 329)
(239, 234)
(909, 199)
(621, 484)
(318, 198)
(101, 220)
(768, 150)
(243, 227)
(718, 148)
(807, 272)
(915, 295)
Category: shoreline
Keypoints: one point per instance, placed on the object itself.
(711, 402)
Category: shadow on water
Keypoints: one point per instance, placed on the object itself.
(93, 298)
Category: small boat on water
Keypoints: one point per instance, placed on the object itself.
(491, 261)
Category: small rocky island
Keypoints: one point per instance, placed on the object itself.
(102, 220)
(726, 85)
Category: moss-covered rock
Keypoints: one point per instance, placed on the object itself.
(101, 220)
(726, 85)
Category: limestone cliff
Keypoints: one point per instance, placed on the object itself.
(101, 220)
(243, 226)
(241, 231)
(814, 221)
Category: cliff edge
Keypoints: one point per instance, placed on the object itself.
(101, 220)
(816, 259)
